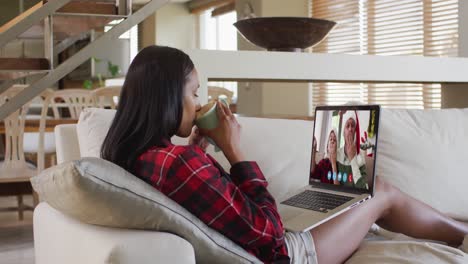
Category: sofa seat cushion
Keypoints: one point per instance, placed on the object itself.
(416, 252)
(99, 192)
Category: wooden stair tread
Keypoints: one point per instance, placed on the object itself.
(67, 26)
(71, 25)
(20, 17)
(13, 75)
(79, 7)
(24, 64)
(90, 7)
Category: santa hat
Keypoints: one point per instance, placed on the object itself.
(349, 114)
(352, 114)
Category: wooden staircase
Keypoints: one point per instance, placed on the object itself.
(74, 18)
(60, 23)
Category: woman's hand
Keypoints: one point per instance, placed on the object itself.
(196, 139)
(333, 163)
(314, 154)
(227, 134)
(332, 156)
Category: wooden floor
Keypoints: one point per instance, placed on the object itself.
(16, 237)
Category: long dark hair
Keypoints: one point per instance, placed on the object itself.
(150, 105)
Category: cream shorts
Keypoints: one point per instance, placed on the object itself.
(301, 247)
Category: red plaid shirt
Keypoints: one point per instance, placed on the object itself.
(238, 205)
(321, 171)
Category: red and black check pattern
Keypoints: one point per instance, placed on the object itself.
(237, 205)
(321, 171)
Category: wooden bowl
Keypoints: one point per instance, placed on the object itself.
(284, 33)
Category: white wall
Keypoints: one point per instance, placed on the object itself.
(285, 98)
(462, 28)
(456, 95)
(148, 29)
(118, 54)
(176, 27)
(249, 94)
(285, 8)
(273, 98)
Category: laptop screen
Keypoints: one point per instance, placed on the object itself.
(344, 147)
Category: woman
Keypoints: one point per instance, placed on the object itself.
(159, 100)
(350, 161)
(327, 167)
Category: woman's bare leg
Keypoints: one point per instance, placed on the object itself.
(394, 211)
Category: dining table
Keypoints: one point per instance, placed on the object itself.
(32, 125)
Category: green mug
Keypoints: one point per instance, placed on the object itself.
(208, 119)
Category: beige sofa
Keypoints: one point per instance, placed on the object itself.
(421, 152)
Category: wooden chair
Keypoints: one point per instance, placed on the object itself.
(72, 100)
(75, 100)
(106, 96)
(215, 92)
(40, 146)
(14, 171)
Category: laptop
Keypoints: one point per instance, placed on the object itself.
(342, 167)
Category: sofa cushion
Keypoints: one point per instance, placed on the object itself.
(92, 128)
(423, 152)
(99, 192)
(396, 252)
(420, 151)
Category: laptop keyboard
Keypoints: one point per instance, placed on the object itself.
(317, 201)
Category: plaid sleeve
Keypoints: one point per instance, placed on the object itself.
(239, 206)
(321, 170)
(249, 178)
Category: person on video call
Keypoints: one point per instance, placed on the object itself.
(327, 166)
(351, 162)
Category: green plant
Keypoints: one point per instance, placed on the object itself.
(88, 84)
(112, 69)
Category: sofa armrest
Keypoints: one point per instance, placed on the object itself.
(66, 142)
(62, 239)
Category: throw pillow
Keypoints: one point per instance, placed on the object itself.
(423, 152)
(99, 192)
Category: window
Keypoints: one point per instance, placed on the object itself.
(387, 27)
(218, 33)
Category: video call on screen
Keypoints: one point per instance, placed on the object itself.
(344, 147)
